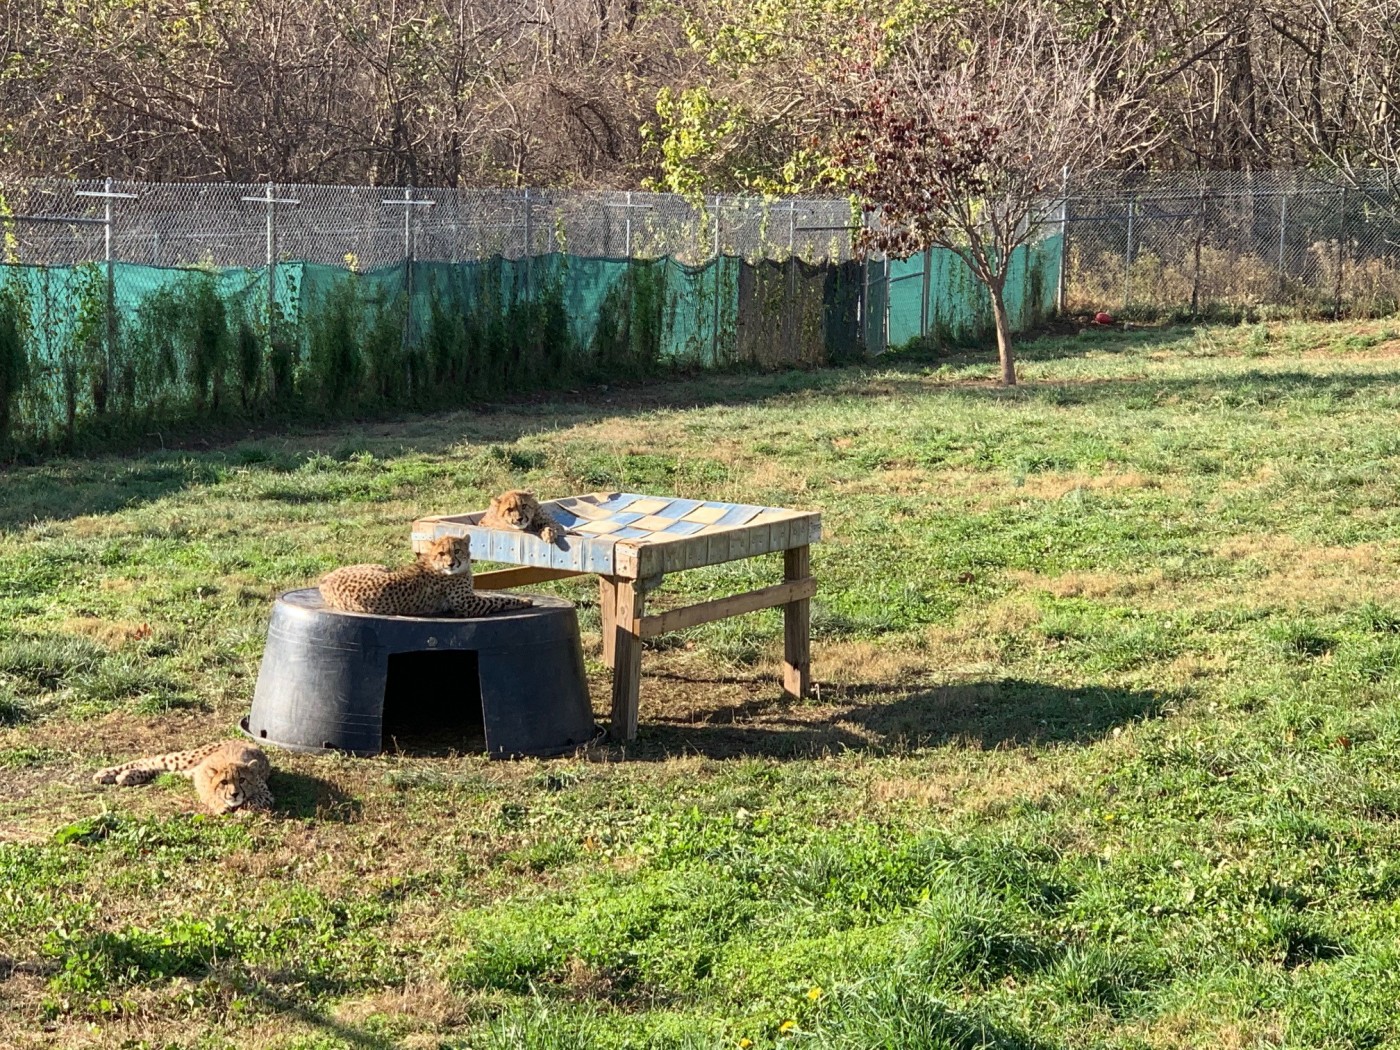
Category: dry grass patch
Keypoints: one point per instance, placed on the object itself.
(1327, 578)
(1083, 584)
(997, 780)
(1051, 485)
(112, 633)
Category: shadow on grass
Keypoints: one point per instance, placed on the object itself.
(1057, 341)
(305, 797)
(72, 487)
(312, 1017)
(1006, 713)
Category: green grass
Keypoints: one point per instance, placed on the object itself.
(1103, 751)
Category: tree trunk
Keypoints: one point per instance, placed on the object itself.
(1003, 320)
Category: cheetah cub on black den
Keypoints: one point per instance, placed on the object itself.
(439, 583)
(228, 776)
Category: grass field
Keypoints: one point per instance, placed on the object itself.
(1106, 751)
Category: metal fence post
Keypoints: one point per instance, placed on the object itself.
(110, 305)
(410, 205)
(864, 311)
(717, 206)
(627, 240)
(1064, 242)
(1196, 255)
(409, 224)
(269, 200)
(926, 292)
(1128, 253)
(1341, 232)
(529, 245)
(271, 255)
(791, 264)
(714, 270)
(1282, 231)
(111, 286)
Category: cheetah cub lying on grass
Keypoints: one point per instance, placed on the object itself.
(228, 776)
(439, 583)
(519, 509)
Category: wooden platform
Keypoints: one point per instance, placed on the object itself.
(631, 541)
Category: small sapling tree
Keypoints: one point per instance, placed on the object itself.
(957, 135)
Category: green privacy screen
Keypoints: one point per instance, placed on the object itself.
(951, 307)
(183, 345)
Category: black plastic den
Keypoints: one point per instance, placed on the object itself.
(512, 684)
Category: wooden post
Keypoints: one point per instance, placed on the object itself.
(627, 659)
(607, 608)
(797, 626)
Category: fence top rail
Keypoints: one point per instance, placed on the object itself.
(57, 222)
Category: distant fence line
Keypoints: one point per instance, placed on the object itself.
(1184, 242)
(243, 225)
(125, 307)
(1193, 244)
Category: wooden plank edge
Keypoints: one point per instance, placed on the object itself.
(498, 579)
(722, 608)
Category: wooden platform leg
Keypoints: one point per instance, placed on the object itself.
(627, 660)
(607, 606)
(797, 627)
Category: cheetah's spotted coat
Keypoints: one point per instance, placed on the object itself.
(439, 583)
(229, 775)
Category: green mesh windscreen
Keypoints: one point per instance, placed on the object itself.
(187, 344)
(950, 305)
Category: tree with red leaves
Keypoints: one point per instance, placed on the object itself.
(960, 139)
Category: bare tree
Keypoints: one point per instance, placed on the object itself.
(1345, 110)
(961, 140)
(438, 92)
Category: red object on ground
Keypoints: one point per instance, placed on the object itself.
(1103, 318)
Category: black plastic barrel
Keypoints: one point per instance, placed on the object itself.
(338, 681)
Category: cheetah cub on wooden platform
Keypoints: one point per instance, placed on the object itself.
(519, 509)
(228, 776)
(439, 583)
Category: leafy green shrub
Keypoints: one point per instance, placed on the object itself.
(14, 358)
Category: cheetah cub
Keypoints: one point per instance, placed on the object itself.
(228, 776)
(439, 583)
(519, 509)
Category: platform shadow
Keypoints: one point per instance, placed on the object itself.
(1008, 712)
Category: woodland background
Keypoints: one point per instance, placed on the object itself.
(718, 95)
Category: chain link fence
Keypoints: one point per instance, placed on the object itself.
(232, 225)
(1197, 244)
(129, 306)
(126, 307)
(1177, 244)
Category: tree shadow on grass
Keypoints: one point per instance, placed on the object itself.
(312, 1017)
(74, 488)
(1005, 713)
(305, 797)
(1056, 341)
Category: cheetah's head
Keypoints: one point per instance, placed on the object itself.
(449, 555)
(516, 507)
(223, 786)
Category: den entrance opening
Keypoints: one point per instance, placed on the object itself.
(432, 703)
